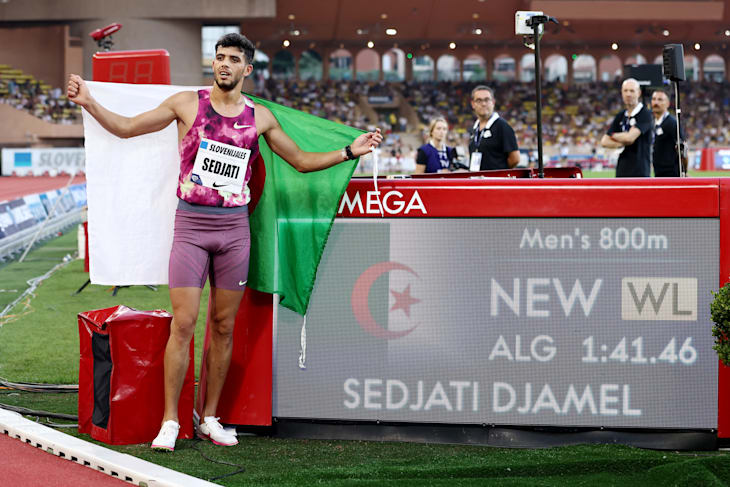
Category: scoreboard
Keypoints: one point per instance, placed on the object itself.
(137, 67)
(520, 321)
(521, 303)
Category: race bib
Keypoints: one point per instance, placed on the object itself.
(475, 164)
(220, 166)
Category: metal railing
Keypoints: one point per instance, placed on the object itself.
(12, 245)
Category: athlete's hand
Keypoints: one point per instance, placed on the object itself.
(366, 142)
(77, 91)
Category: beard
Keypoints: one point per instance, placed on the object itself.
(227, 85)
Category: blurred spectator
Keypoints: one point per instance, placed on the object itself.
(574, 116)
(49, 105)
(435, 156)
(334, 100)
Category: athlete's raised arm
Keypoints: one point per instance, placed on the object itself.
(119, 125)
(302, 161)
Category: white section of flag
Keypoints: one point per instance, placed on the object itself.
(131, 189)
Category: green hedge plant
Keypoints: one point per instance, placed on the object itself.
(720, 312)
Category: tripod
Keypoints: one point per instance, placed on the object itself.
(535, 22)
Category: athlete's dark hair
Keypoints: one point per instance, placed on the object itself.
(239, 41)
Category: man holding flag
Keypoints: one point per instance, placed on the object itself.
(218, 130)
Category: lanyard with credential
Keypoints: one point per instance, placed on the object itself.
(625, 125)
(658, 125)
(626, 122)
(478, 134)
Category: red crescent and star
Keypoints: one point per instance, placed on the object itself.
(361, 293)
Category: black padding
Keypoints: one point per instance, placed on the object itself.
(102, 378)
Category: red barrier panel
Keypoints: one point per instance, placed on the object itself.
(458, 198)
(246, 395)
(121, 375)
(723, 381)
(708, 159)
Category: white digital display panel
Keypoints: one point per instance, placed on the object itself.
(532, 321)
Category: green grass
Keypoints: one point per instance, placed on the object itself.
(39, 343)
(288, 462)
(39, 340)
(272, 461)
(14, 275)
(275, 461)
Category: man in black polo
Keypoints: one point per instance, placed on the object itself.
(632, 131)
(492, 142)
(664, 157)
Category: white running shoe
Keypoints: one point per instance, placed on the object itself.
(166, 438)
(211, 429)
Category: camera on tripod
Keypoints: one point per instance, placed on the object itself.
(523, 22)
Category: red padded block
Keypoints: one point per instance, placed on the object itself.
(132, 410)
(246, 395)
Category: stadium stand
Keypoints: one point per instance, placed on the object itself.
(24, 92)
(574, 116)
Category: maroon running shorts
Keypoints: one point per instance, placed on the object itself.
(215, 245)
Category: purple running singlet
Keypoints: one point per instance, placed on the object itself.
(220, 143)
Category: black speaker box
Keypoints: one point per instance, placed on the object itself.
(673, 55)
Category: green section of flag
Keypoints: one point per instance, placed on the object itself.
(291, 223)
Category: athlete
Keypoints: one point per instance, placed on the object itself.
(218, 131)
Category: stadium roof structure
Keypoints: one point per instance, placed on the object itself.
(433, 24)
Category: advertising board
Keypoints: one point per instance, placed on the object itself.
(34, 162)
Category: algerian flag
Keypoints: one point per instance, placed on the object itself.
(291, 222)
(131, 187)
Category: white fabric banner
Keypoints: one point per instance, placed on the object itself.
(131, 189)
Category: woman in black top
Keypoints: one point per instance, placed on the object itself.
(435, 155)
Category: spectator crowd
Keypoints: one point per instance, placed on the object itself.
(574, 116)
(49, 104)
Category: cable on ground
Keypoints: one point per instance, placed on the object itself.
(42, 414)
(32, 285)
(38, 387)
(241, 468)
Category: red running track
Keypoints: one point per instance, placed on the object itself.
(29, 466)
(12, 187)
